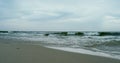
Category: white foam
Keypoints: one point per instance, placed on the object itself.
(83, 51)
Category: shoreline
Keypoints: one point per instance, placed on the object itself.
(83, 51)
(28, 53)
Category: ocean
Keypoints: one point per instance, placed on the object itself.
(106, 44)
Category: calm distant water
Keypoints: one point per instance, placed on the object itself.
(98, 43)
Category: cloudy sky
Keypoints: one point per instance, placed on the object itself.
(55, 15)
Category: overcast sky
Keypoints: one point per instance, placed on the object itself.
(51, 15)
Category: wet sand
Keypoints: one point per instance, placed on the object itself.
(13, 52)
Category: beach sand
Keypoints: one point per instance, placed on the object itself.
(11, 52)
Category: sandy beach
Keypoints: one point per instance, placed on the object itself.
(27, 53)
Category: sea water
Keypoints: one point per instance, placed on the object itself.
(105, 44)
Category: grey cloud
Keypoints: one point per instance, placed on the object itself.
(47, 16)
(61, 14)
